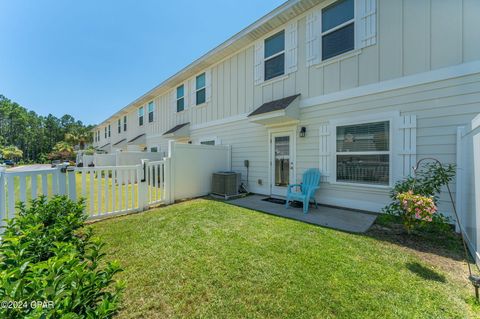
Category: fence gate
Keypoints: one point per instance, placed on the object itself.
(155, 177)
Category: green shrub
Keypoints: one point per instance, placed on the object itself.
(51, 266)
(428, 182)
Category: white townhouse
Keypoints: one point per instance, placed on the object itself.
(360, 89)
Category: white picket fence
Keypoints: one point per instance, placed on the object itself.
(107, 190)
(121, 189)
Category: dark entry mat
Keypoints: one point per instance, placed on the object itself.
(295, 203)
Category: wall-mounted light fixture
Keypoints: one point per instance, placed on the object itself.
(303, 131)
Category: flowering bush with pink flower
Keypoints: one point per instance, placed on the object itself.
(416, 208)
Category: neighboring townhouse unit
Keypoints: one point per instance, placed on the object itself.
(360, 89)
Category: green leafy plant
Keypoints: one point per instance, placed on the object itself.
(427, 183)
(51, 265)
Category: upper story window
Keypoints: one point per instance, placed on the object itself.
(125, 123)
(180, 98)
(200, 93)
(338, 29)
(98, 136)
(150, 112)
(274, 55)
(105, 132)
(363, 153)
(119, 124)
(140, 116)
(109, 130)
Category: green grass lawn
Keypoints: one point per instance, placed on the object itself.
(209, 259)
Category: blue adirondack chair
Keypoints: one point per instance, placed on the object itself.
(308, 187)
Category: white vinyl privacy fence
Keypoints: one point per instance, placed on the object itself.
(112, 190)
(468, 184)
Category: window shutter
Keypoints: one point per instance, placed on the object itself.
(313, 37)
(259, 57)
(193, 94)
(408, 153)
(173, 96)
(208, 85)
(324, 154)
(366, 23)
(291, 48)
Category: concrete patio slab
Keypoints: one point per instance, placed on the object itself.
(337, 218)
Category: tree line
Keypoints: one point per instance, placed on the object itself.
(35, 135)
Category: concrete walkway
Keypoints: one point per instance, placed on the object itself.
(342, 219)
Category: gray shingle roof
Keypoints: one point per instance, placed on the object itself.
(136, 138)
(276, 105)
(119, 142)
(175, 128)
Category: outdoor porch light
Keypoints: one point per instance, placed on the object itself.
(303, 131)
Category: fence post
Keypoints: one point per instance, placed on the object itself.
(460, 161)
(62, 179)
(142, 184)
(3, 211)
(72, 183)
(168, 180)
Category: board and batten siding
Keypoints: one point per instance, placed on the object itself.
(412, 37)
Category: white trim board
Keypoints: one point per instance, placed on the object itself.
(400, 83)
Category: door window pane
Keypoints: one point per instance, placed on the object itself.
(282, 160)
(364, 169)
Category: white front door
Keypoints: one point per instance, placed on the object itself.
(282, 162)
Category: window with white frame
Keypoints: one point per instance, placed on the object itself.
(105, 132)
(119, 126)
(150, 112)
(274, 55)
(200, 90)
(109, 130)
(363, 153)
(154, 149)
(180, 98)
(125, 123)
(140, 116)
(338, 31)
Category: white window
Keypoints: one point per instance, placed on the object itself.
(363, 153)
(274, 55)
(119, 124)
(154, 149)
(338, 30)
(208, 142)
(140, 116)
(105, 132)
(150, 112)
(109, 130)
(125, 123)
(200, 89)
(180, 98)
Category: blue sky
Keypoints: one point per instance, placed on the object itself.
(90, 58)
